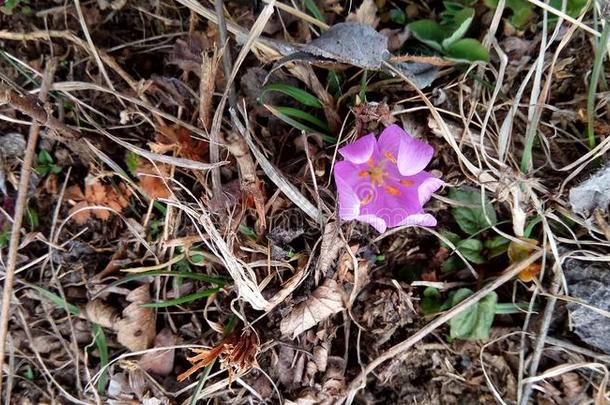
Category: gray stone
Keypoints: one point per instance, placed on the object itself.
(592, 193)
(589, 283)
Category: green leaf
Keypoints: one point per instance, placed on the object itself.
(475, 322)
(472, 249)
(398, 16)
(33, 218)
(462, 21)
(99, 337)
(452, 264)
(510, 308)
(299, 95)
(182, 300)
(496, 246)
(429, 32)
(467, 50)
(131, 160)
(44, 157)
(471, 219)
(431, 301)
(521, 17)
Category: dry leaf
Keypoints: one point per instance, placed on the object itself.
(150, 179)
(236, 351)
(160, 362)
(181, 138)
(102, 314)
(365, 14)
(325, 301)
(329, 249)
(136, 330)
(519, 251)
(96, 193)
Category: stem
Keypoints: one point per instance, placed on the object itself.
(595, 74)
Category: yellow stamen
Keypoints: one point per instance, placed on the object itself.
(370, 162)
(367, 199)
(393, 190)
(364, 173)
(407, 182)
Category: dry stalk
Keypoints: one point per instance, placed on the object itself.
(360, 381)
(209, 69)
(42, 115)
(20, 207)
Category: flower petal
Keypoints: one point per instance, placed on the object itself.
(426, 184)
(421, 219)
(361, 150)
(413, 155)
(376, 222)
(389, 140)
(349, 203)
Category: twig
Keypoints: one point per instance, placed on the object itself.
(20, 207)
(360, 380)
(547, 317)
(29, 107)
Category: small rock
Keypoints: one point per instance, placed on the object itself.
(592, 193)
(589, 283)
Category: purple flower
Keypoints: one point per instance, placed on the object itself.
(383, 182)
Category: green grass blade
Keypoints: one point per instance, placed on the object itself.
(312, 7)
(299, 95)
(600, 52)
(218, 280)
(55, 299)
(201, 383)
(102, 347)
(302, 115)
(182, 300)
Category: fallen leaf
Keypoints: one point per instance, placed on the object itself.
(181, 138)
(519, 251)
(150, 179)
(325, 301)
(236, 351)
(160, 362)
(365, 14)
(136, 329)
(96, 194)
(187, 54)
(102, 314)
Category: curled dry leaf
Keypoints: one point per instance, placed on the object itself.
(325, 301)
(151, 179)
(102, 314)
(136, 330)
(365, 14)
(96, 194)
(236, 351)
(160, 362)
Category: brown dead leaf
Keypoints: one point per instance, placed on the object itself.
(102, 314)
(150, 179)
(96, 194)
(187, 54)
(365, 14)
(329, 249)
(160, 362)
(181, 138)
(369, 116)
(136, 330)
(236, 351)
(325, 301)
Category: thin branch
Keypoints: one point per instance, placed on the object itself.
(20, 207)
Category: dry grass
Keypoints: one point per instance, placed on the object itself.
(496, 126)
